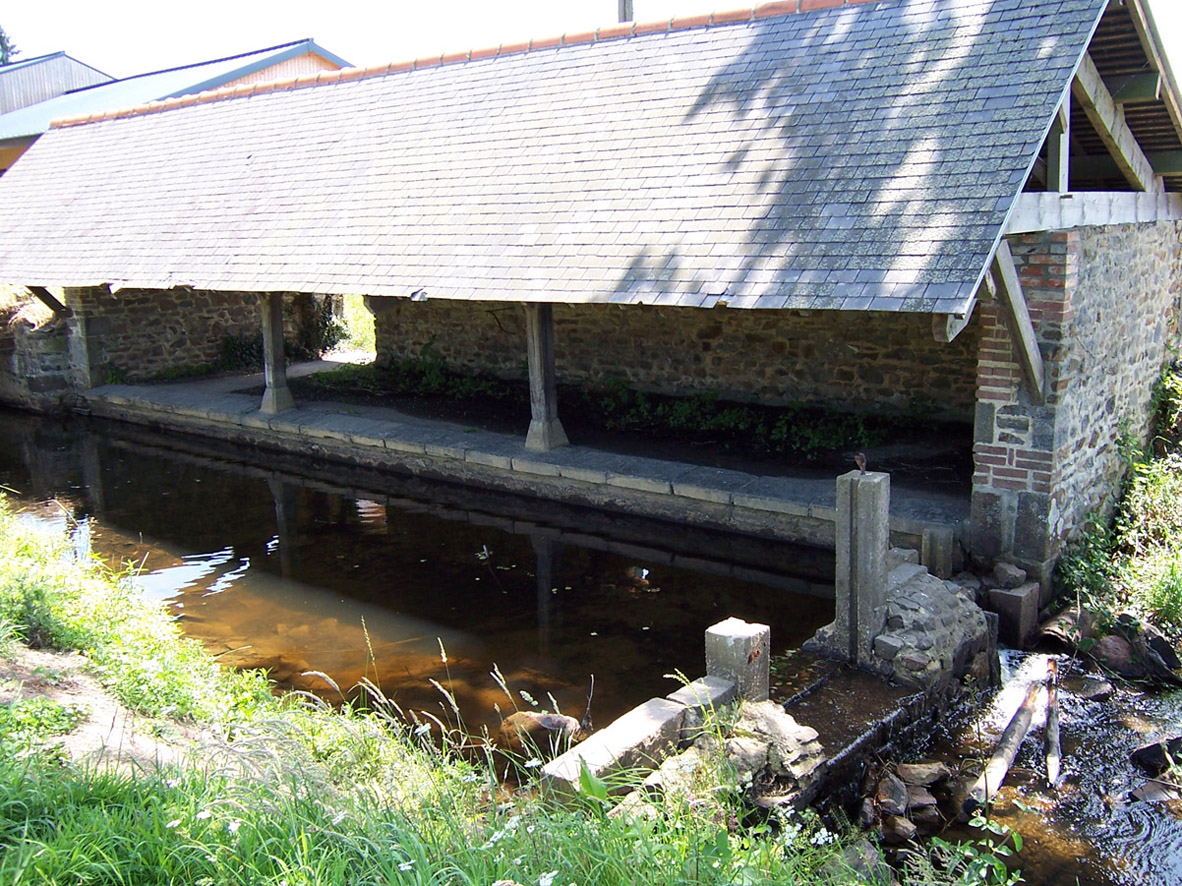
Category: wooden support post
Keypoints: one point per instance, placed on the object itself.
(1109, 120)
(1017, 320)
(545, 429)
(1058, 150)
(276, 396)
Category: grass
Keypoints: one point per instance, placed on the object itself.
(289, 791)
(1134, 562)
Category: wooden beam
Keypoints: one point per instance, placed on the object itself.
(46, 298)
(1057, 212)
(1135, 88)
(545, 429)
(1166, 162)
(946, 327)
(1059, 150)
(1017, 319)
(1109, 120)
(276, 395)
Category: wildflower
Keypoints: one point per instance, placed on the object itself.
(174, 823)
(822, 837)
(203, 814)
(406, 865)
(533, 763)
(547, 879)
(233, 826)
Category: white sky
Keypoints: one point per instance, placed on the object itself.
(125, 37)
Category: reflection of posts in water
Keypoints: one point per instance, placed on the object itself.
(549, 557)
(92, 477)
(286, 525)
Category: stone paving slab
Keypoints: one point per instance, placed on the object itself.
(376, 428)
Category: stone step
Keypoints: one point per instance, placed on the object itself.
(897, 557)
(903, 574)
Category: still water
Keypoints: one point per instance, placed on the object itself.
(284, 564)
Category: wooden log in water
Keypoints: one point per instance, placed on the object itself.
(1003, 755)
(1051, 746)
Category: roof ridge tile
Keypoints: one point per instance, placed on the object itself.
(344, 75)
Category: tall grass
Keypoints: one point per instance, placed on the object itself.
(289, 791)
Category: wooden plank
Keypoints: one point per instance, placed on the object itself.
(1017, 319)
(1059, 150)
(1109, 120)
(946, 327)
(1135, 88)
(1057, 212)
(1167, 162)
(545, 429)
(46, 298)
(276, 394)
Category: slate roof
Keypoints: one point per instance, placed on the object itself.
(862, 157)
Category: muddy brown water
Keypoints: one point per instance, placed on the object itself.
(303, 577)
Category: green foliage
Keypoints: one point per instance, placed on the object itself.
(358, 323)
(979, 862)
(1136, 563)
(37, 716)
(8, 50)
(287, 790)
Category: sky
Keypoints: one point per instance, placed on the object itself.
(126, 37)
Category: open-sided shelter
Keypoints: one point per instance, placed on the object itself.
(966, 203)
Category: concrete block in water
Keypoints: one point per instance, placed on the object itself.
(939, 551)
(860, 580)
(1017, 612)
(643, 737)
(702, 697)
(738, 651)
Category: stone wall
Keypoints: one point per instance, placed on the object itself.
(1105, 304)
(863, 361)
(138, 334)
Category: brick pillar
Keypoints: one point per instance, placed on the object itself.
(1015, 442)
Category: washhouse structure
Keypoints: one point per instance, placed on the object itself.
(968, 204)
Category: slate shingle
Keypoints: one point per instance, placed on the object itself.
(862, 157)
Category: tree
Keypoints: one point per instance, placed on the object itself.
(8, 49)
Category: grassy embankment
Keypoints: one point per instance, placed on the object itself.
(1134, 562)
(287, 791)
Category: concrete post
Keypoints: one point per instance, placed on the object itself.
(863, 536)
(738, 651)
(276, 396)
(545, 430)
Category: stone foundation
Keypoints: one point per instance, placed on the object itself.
(856, 361)
(138, 334)
(1105, 305)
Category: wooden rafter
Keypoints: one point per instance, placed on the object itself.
(1109, 120)
(946, 327)
(46, 298)
(1017, 319)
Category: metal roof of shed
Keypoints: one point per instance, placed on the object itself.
(858, 158)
